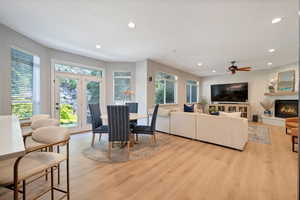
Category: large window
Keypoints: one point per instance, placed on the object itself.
(165, 88)
(122, 87)
(24, 84)
(192, 88)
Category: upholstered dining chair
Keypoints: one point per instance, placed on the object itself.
(118, 124)
(26, 127)
(132, 108)
(97, 123)
(149, 130)
(16, 174)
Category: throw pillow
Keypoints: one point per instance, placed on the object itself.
(232, 114)
(187, 108)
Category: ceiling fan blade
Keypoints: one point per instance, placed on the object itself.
(244, 68)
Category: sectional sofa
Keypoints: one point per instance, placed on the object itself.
(221, 130)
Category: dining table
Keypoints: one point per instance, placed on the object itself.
(11, 139)
(132, 116)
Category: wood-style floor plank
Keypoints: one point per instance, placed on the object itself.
(185, 170)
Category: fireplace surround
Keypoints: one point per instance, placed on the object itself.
(286, 108)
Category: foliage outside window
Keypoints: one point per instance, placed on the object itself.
(165, 88)
(192, 91)
(24, 84)
(122, 84)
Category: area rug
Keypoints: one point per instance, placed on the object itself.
(145, 148)
(259, 134)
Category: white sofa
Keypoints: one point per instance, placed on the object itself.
(226, 131)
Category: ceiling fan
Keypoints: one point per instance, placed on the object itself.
(233, 68)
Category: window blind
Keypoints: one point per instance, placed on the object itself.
(21, 83)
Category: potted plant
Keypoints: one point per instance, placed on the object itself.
(202, 104)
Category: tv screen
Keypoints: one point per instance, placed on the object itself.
(235, 92)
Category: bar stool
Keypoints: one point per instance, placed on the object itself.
(38, 122)
(16, 172)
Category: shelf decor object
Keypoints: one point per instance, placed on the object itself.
(267, 105)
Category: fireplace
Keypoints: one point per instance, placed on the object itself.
(286, 108)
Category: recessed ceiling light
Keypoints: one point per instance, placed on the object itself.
(271, 50)
(214, 71)
(98, 46)
(199, 64)
(276, 20)
(270, 64)
(131, 25)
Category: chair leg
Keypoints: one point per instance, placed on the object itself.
(154, 138)
(109, 150)
(136, 137)
(52, 186)
(128, 149)
(93, 139)
(100, 136)
(24, 189)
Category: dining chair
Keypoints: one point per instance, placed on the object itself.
(118, 124)
(132, 108)
(16, 174)
(149, 130)
(97, 123)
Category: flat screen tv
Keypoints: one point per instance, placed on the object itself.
(234, 92)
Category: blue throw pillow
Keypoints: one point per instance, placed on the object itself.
(188, 108)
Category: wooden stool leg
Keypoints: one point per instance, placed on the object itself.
(93, 139)
(128, 149)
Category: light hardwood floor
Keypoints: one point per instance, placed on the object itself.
(186, 170)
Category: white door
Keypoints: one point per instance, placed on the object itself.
(73, 93)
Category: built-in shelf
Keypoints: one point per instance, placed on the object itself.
(281, 94)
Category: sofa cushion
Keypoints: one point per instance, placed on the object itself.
(232, 114)
(188, 108)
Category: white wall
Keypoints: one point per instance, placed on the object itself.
(10, 38)
(257, 83)
(154, 67)
(141, 85)
(112, 67)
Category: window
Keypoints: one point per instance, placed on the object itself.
(165, 88)
(78, 70)
(25, 74)
(122, 87)
(192, 91)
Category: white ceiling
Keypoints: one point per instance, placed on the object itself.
(179, 33)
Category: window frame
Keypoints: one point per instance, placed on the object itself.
(36, 67)
(190, 88)
(175, 81)
(114, 77)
